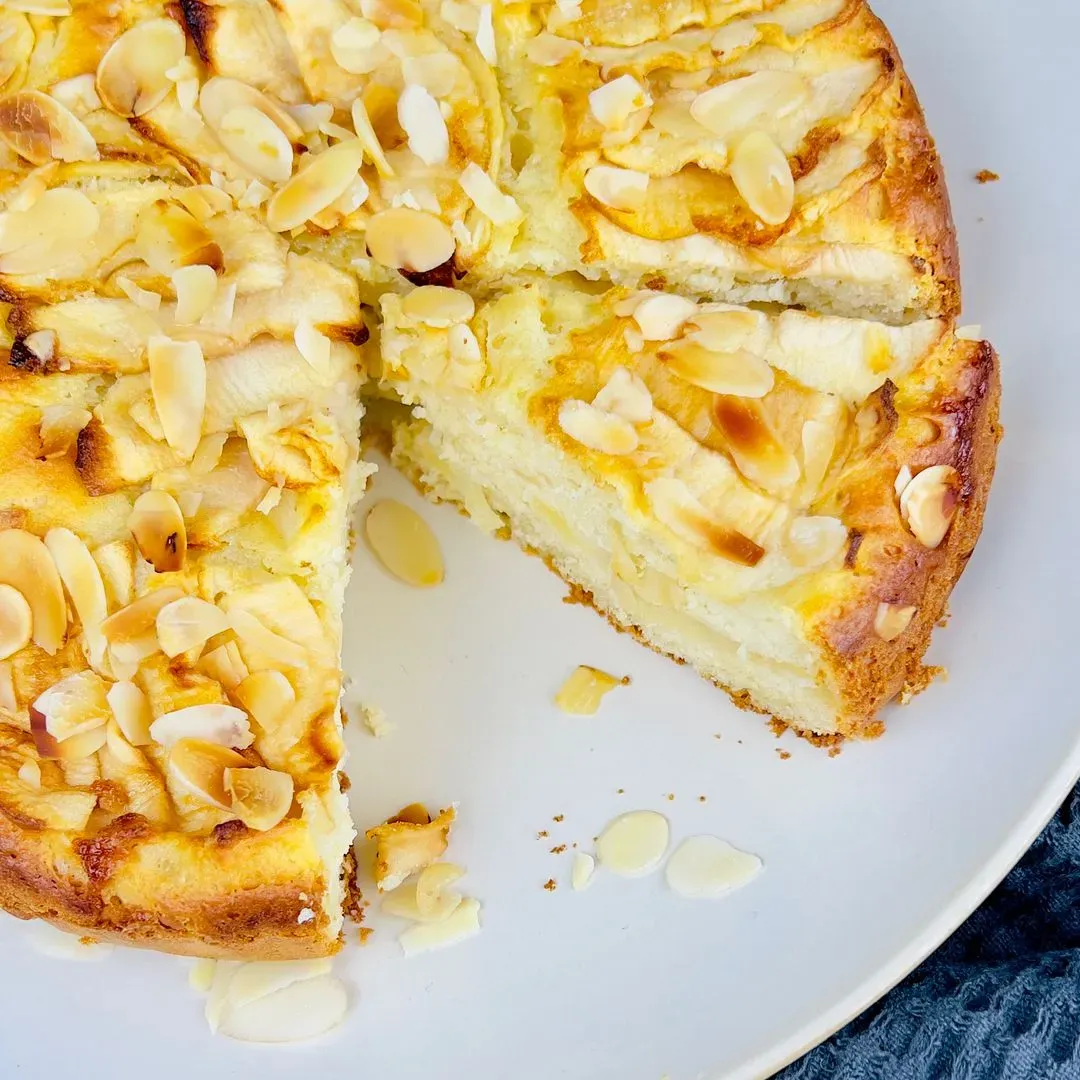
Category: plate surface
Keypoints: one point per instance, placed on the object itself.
(871, 858)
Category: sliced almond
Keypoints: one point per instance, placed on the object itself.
(199, 768)
(40, 129)
(34, 239)
(169, 237)
(660, 316)
(462, 923)
(83, 582)
(144, 298)
(928, 503)
(582, 869)
(224, 725)
(584, 690)
(726, 331)
(762, 175)
(495, 205)
(634, 843)
(816, 541)
(677, 508)
(625, 394)
(313, 346)
(435, 305)
(891, 620)
(401, 903)
(749, 100)
(438, 73)
(16, 621)
(422, 121)
(268, 696)
(411, 240)
(368, 139)
(132, 632)
(549, 50)
(404, 543)
(178, 385)
(226, 665)
(60, 428)
(302, 1010)
(8, 700)
(253, 140)
(259, 797)
(27, 566)
(204, 201)
(463, 345)
(741, 373)
(612, 103)
(432, 898)
(158, 527)
(188, 623)
(277, 649)
(596, 429)
(357, 48)
(131, 710)
(705, 867)
(196, 287)
(818, 447)
(321, 180)
(74, 705)
(131, 78)
(621, 189)
(221, 95)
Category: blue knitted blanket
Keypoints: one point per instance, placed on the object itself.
(1000, 1000)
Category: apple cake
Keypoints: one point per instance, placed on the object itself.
(667, 291)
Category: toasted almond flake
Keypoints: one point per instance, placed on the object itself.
(158, 527)
(584, 690)
(621, 189)
(368, 139)
(423, 124)
(219, 315)
(404, 544)
(432, 899)
(498, 207)
(27, 566)
(356, 194)
(928, 503)
(633, 844)
(60, 427)
(131, 711)
(204, 201)
(463, 346)
(393, 14)
(74, 705)
(815, 541)
(596, 429)
(973, 332)
(253, 140)
(84, 585)
(260, 797)
(302, 1010)
(762, 176)
(188, 623)
(625, 394)
(255, 195)
(201, 975)
(221, 95)
(612, 103)
(41, 129)
(226, 665)
(462, 923)
(582, 868)
(739, 373)
(16, 621)
(485, 35)
(313, 346)
(891, 620)
(357, 48)
(178, 385)
(33, 239)
(401, 903)
(30, 774)
(660, 316)
(749, 100)
(199, 768)
(170, 237)
(705, 867)
(42, 343)
(549, 50)
(131, 78)
(143, 298)
(818, 446)
(435, 305)
(278, 649)
(223, 725)
(412, 240)
(320, 180)
(195, 288)
(268, 696)
(131, 632)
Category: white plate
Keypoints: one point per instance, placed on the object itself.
(872, 858)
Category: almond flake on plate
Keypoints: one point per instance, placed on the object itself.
(705, 867)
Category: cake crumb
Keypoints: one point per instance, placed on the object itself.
(558, 849)
(306, 915)
(550, 884)
(542, 834)
(374, 720)
(670, 796)
(620, 791)
(777, 727)
(836, 751)
(364, 933)
(701, 798)
(344, 782)
(558, 817)
(918, 682)
(783, 755)
(717, 735)
(987, 176)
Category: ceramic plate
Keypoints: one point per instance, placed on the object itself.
(871, 858)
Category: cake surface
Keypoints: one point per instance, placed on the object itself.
(557, 210)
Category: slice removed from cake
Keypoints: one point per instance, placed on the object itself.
(783, 500)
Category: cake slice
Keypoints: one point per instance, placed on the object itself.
(763, 151)
(782, 500)
(180, 416)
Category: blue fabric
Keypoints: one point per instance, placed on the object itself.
(1000, 1000)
